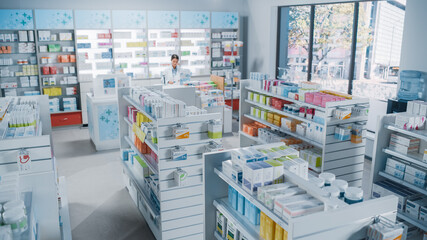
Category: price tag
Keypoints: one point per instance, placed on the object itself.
(24, 160)
(140, 132)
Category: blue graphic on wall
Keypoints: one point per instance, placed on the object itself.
(163, 19)
(16, 19)
(93, 19)
(225, 20)
(54, 19)
(195, 20)
(108, 122)
(124, 19)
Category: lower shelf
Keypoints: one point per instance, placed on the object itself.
(404, 183)
(417, 223)
(217, 236)
(249, 230)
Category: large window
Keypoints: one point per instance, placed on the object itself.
(347, 47)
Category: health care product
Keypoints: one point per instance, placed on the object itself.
(252, 213)
(232, 171)
(17, 219)
(413, 206)
(342, 185)
(252, 177)
(397, 164)
(327, 177)
(303, 208)
(275, 187)
(414, 180)
(181, 132)
(179, 154)
(215, 129)
(279, 203)
(233, 197)
(353, 195)
(385, 188)
(394, 172)
(271, 196)
(416, 172)
(277, 171)
(221, 224)
(332, 191)
(232, 232)
(382, 231)
(180, 177)
(240, 203)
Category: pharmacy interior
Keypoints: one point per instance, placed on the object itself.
(320, 140)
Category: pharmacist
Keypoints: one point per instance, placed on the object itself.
(172, 75)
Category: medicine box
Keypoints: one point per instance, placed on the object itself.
(415, 181)
(270, 197)
(386, 188)
(240, 203)
(252, 177)
(279, 203)
(221, 224)
(404, 139)
(277, 171)
(403, 149)
(252, 213)
(393, 163)
(416, 172)
(267, 173)
(282, 186)
(394, 172)
(413, 206)
(232, 232)
(423, 214)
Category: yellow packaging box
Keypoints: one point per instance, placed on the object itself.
(262, 225)
(269, 228)
(278, 233)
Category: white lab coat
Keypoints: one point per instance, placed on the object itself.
(170, 78)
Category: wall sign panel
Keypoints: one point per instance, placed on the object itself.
(16, 19)
(163, 19)
(228, 20)
(54, 19)
(129, 19)
(93, 19)
(193, 20)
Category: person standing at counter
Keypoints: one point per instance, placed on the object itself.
(172, 75)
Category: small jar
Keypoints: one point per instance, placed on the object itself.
(14, 204)
(353, 195)
(333, 191)
(17, 220)
(342, 185)
(327, 177)
(317, 181)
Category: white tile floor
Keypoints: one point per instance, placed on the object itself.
(100, 207)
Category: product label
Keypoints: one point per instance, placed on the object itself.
(24, 160)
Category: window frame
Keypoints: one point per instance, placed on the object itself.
(353, 50)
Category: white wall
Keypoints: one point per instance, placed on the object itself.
(192, 5)
(414, 46)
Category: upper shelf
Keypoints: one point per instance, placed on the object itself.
(421, 134)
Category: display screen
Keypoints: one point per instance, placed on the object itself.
(109, 83)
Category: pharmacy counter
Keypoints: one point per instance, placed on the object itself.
(103, 122)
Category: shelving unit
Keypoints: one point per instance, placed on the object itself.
(195, 51)
(162, 43)
(382, 152)
(131, 52)
(343, 158)
(10, 82)
(217, 51)
(347, 222)
(181, 208)
(94, 49)
(50, 54)
(41, 178)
